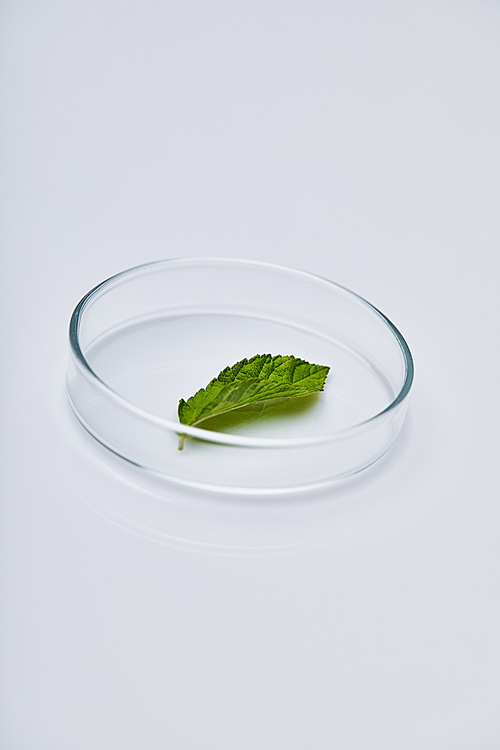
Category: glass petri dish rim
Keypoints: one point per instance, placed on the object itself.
(210, 435)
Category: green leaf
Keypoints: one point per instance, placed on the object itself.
(261, 378)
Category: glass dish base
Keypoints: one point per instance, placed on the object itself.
(134, 359)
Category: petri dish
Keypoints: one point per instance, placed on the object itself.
(151, 335)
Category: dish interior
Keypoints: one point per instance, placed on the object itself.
(154, 362)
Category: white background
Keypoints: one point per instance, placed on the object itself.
(357, 140)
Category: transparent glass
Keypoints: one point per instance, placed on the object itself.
(151, 335)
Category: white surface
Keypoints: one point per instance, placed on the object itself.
(355, 140)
